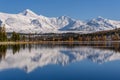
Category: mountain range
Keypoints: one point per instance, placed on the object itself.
(29, 22)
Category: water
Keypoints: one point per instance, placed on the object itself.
(91, 61)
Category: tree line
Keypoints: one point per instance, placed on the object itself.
(3, 35)
(96, 36)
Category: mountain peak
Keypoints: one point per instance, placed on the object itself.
(29, 13)
(64, 17)
(99, 18)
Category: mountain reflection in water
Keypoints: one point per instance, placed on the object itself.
(31, 56)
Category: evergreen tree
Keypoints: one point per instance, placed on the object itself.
(15, 36)
(3, 34)
(23, 38)
(29, 37)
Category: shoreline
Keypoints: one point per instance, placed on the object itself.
(57, 42)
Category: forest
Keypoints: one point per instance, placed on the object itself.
(109, 35)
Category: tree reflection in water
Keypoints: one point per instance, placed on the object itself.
(3, 49)
(115, 46)
(15, 48)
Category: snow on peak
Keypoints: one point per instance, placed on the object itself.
(29, 13)
(64, 17)
(100, 17)
(100, 24)
(28, 21)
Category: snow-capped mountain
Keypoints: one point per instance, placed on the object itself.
(29, 22)
(29, 60)
(100, 23)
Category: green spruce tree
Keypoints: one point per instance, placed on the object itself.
(15, 36)
(3, 34)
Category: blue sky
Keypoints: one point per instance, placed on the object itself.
(78, 9)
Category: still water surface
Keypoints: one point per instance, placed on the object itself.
(60, 61)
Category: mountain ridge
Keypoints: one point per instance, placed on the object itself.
(29, 22)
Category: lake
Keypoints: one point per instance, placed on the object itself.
(65, 61)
